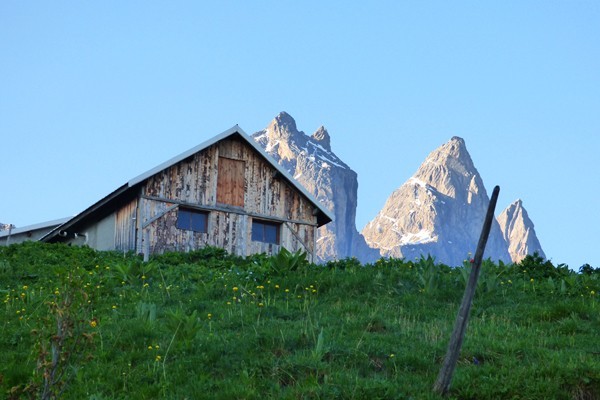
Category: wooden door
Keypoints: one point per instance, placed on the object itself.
(230, 182)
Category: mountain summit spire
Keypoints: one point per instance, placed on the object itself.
(438, 211)
(310, 160)
(322, 137)
(518, 231)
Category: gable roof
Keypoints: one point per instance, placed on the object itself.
(126, 191)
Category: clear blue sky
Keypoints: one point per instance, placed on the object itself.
(94, 93)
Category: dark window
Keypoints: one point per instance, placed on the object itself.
(264, 231)
(192, 220)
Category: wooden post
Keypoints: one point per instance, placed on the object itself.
(442, 384)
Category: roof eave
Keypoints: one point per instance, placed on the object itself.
(94, 207)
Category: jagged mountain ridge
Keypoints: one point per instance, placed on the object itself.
(518, 232)
(310, 160)
(438, 211)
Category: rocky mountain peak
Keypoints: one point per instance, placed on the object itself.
(310, 160)
(518, 231)
(450, 168)
(281, 138)
(438, 211)
(284, 122)
(321, 136)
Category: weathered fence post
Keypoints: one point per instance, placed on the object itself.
(442, 384)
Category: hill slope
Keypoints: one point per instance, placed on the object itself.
(208, 325)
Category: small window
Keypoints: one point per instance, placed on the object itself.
(192, 220)
(264, 231)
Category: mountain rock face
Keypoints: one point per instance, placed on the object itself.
(310, 160)
(439, 211)
(518, 231)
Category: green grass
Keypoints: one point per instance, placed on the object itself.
(209, 325)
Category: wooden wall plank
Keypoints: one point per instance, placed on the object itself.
(125, 227)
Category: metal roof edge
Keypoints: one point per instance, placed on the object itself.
(183, 155)
(40, 225)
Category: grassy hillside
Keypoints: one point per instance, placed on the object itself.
(81, 324)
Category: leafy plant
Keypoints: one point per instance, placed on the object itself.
(285, 261)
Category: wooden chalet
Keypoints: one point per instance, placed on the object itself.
(227, 192)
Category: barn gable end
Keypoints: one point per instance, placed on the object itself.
(226, 193)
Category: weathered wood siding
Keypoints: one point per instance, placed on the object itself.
(194, 182)
(125, 227)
